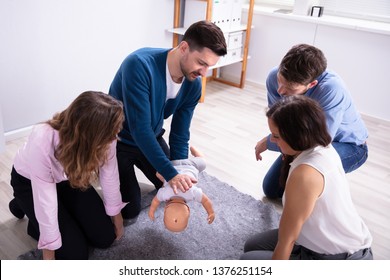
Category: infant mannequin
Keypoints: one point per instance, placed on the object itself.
(177, 212)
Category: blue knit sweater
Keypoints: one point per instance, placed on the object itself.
(140, 84)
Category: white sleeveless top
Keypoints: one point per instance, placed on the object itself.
(334, 226)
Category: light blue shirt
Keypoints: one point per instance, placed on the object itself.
(344, 121)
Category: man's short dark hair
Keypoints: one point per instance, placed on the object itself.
(205, 34)
(302, 64)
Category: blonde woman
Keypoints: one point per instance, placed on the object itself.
(52, 176)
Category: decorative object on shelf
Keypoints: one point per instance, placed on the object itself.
(316, 11)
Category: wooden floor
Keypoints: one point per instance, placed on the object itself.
(226, 128)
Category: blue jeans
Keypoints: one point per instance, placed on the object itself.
(352, 157)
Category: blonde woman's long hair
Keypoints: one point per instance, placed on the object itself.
(86, 129)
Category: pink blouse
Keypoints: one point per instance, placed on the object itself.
(36, 161)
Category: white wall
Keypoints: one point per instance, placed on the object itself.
(51, 51)
(2, 138)
(360, 57)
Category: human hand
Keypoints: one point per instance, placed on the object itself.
(211, 218)
(260, 147)
(183, 182)
(117, 220)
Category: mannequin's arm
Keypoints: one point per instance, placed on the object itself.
(153, 207)
(206, 202)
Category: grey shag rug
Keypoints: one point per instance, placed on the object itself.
(238, 216)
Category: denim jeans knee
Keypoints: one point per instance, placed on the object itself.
(352, 156)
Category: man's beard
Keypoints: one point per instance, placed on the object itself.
(191, 76)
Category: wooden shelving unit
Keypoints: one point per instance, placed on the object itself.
(178, 30)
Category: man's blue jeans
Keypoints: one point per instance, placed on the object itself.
(352, 157)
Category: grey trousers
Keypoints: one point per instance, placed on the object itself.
(262, 245)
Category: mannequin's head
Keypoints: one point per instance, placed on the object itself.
(176, 215)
